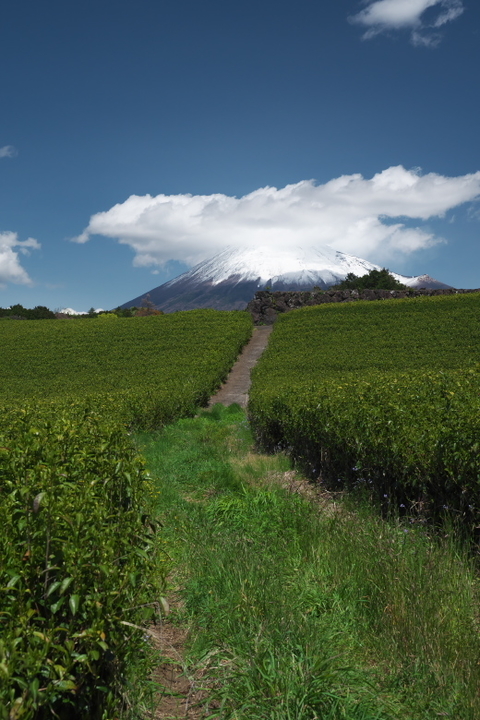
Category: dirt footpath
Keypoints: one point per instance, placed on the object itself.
(235, 389)
(183, 696)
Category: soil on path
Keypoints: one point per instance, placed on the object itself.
(237, 385)
(182, 692)
(183, 695)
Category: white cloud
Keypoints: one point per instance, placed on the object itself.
(11, 270)
(8, 151)
(364, 217)
(430, 40)
(383, 15)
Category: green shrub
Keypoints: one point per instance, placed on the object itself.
(145, 372)
(80, 572)
(107, 316)
(374, 280)
(81, 567)
(383, 396)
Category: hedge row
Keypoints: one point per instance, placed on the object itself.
(360, 395)
(79, 566)
(81, 562)
(175, 361)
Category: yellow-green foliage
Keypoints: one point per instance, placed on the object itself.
(145, 371)
(78, 561)
(384, 394)
(107, 316)
(80, 565)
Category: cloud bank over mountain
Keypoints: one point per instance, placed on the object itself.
(11, 271)
(363, 217)
(384, 15)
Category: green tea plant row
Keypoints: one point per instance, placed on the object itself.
(385, 395)
(81, 562)
(79, 572)
(143, 371)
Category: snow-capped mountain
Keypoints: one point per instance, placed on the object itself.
(71, 311)
(420, 281)
(229, 280)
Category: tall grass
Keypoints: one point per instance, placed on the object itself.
(301, 611)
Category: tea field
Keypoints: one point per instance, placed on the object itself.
(82, 558)
(146, 371)
(382, 395)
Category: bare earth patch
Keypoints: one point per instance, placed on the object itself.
(184, 692)
(237, 385)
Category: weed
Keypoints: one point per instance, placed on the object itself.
(298, 612)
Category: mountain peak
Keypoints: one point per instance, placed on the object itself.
(229, 280)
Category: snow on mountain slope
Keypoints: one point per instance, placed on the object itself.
(420, 281)
(262, 264)
(71, 311)
(229, 280)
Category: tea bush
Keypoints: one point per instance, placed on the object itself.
(381, 395)
(143, 370)
(81, 561)
(79, 566)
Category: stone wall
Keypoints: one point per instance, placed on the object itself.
(266, 305)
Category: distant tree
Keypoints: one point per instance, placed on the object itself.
(39, 312)
(18, 311)
(374, 280)
(148, 307)
(146, 312)
(125, 312)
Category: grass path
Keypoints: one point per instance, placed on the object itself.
(288, 607)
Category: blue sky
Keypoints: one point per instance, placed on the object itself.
(139, 138)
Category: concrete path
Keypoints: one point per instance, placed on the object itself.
(237, 385)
